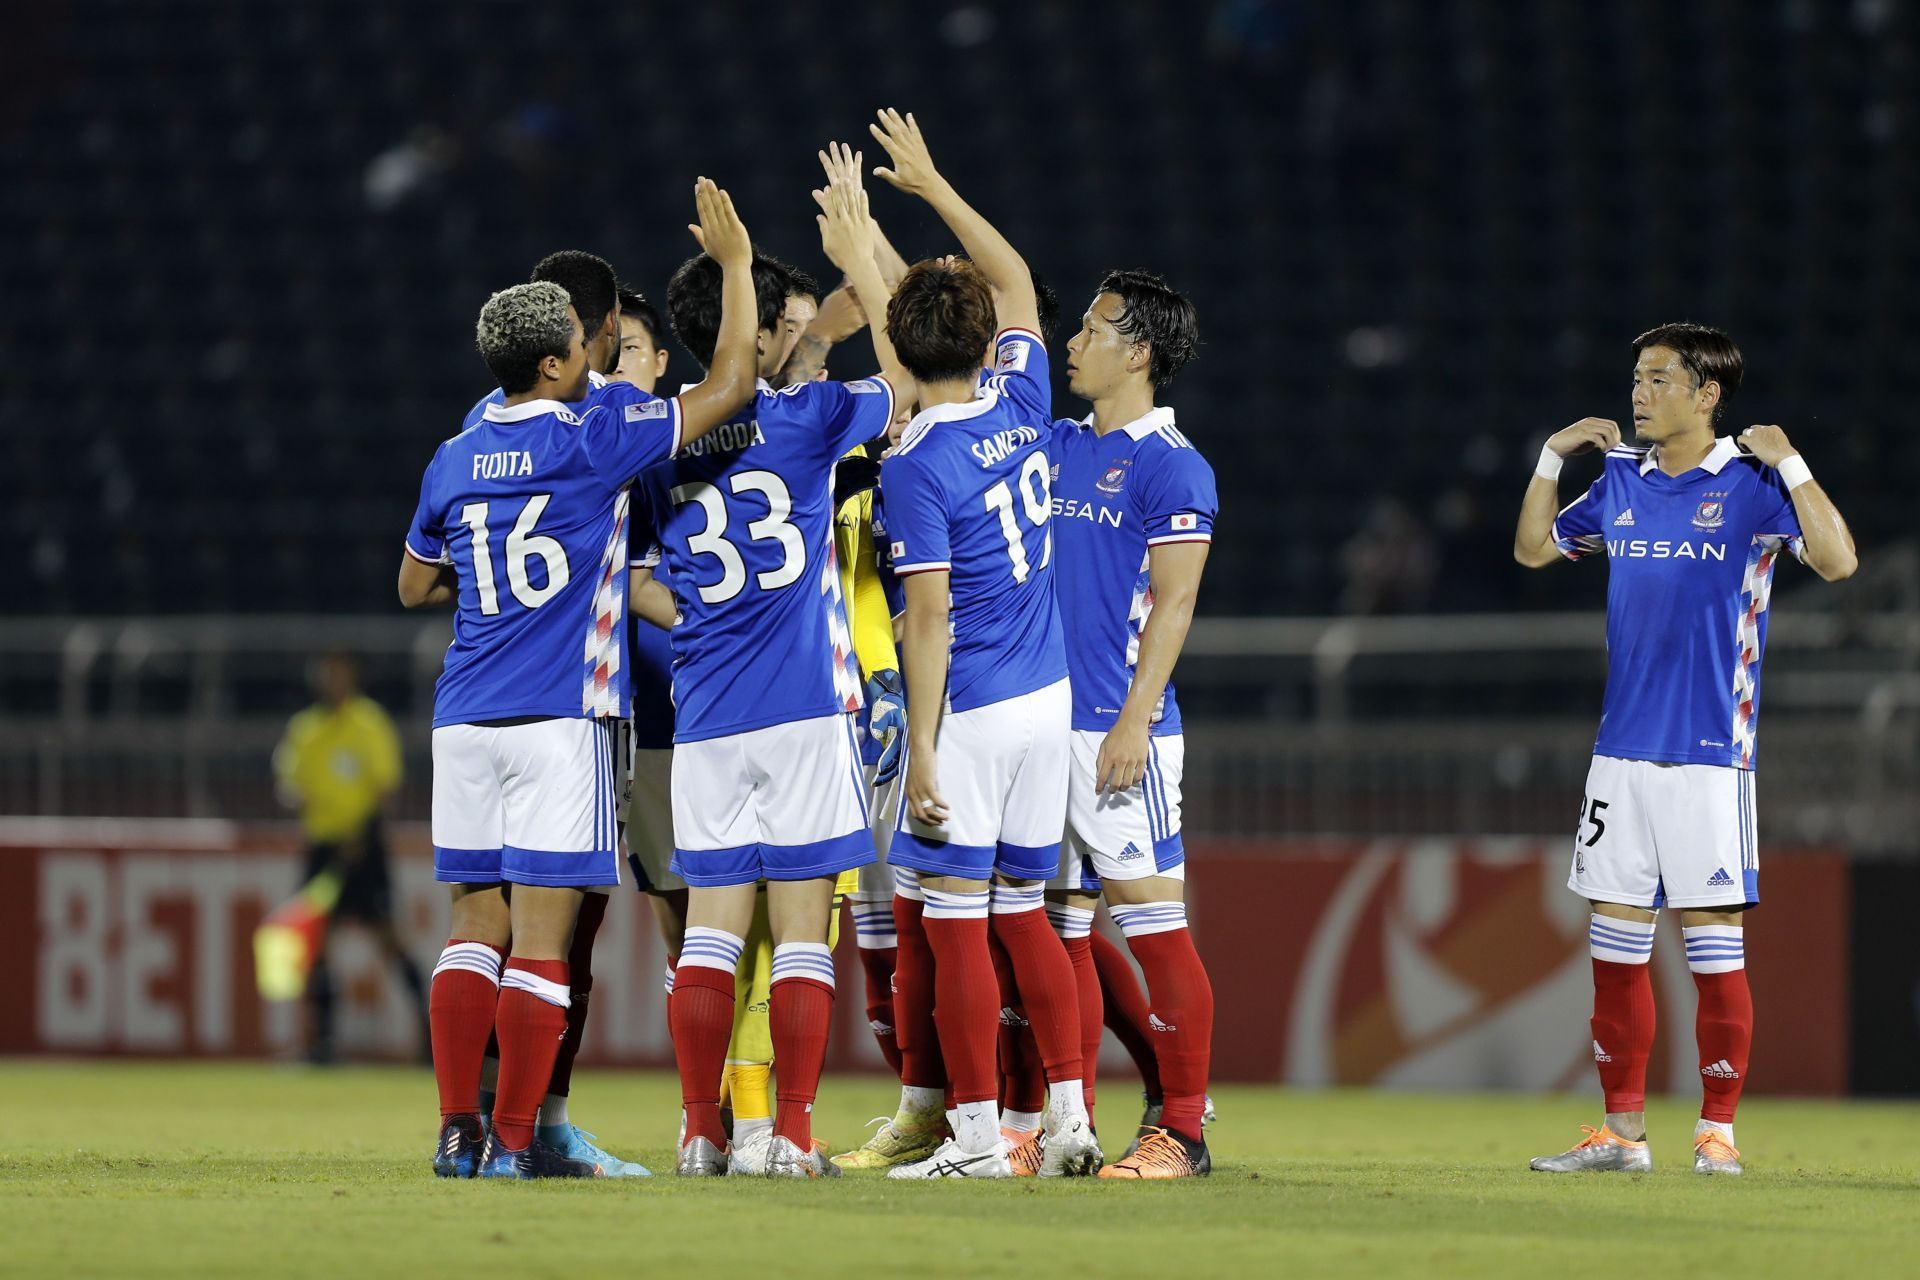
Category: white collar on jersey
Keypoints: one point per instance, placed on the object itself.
(1143, 426)
(1724, 451)
(595, 380)
(524, 410)
(956, 410)
(759, 384)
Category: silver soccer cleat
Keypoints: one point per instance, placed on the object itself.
(699, 1158)
(785, 1159)
(949, 1161)
(748, 1155)
(1712, 1153)
(1068, 1148)
(1603, 1151)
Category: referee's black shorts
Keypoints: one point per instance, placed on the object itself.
(367, 893)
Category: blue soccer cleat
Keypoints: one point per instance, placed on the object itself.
(535, 1160)
(575, 1143)
(458, 1153)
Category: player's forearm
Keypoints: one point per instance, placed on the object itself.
(1829, 549)
(424, 586)
(925, 666)
(1533, 544)
(872, 291)
(1161, 641)
(1006, 271)
(731, 379)
(893, 267)
(652, 603)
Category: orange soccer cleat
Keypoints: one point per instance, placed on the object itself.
(1162, 1153)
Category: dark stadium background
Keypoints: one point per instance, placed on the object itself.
(242, 246)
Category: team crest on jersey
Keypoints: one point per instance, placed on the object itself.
(1710, 515)
(1116, 476)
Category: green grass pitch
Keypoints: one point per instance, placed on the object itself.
(246, 1170)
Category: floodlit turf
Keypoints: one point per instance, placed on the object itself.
(165, 1170)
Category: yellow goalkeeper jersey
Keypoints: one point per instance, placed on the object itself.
(868, 616)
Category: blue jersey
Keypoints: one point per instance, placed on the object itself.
(530, 506)
(967, 491)
(651, 651)
(1691, 562)
(744, 519)
(595, 381)
(1116, 496)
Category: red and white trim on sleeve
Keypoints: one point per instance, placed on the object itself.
(1165, 538)
(930, 566)
(432, 560)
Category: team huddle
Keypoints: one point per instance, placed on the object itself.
(918, 635)
(781, 643)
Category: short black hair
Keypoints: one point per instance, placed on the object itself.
(941, 320)
(1708, 354)
(799, 283)
(1047, 305)
(693, 300)
(589, 283)
(634, 303)
(1154, 312)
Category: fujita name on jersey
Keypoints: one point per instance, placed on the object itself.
(502, 465)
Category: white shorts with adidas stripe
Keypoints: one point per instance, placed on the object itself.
(1126, 836)
(1654, 835)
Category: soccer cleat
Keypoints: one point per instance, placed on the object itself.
(1149, 1121)
(1602, 1151)
(907, 1137)
(1070, 1149)
(1712, 1153)
(576, 1143)
(949, 1161)
(462, 1138)
(1025, 1151)
(747, 1156)
(1162, 1153)
(699, 1158)
(535, 1160)
(785, 1159)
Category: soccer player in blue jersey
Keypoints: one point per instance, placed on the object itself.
(967, 510)
(1692, 526)
(529, 510)
(1133, 512)
(766, 774)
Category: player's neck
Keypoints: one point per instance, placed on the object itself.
(1125, 406)
(540, 391)
(1682, 454)
(954, 391)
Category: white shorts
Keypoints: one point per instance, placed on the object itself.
(1128, 836)
(883, 802)
(1003, 771)
(530, 803)
(650, 822)
(787, 802)
(1655, 835)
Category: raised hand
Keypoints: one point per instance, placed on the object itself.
(720, 231)
(1769, 444)
(912, 169)
(846, 228)
(1588, 433)
(842, 164)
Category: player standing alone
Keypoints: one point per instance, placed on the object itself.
(1692, 527)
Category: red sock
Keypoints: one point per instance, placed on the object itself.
(593, 909)
(700, 1014)
(531, 1025)
(1124, 1007)
(913, 1026)
(1023, 1082)
(1086, 981)
(1623, 1026)
(800, 1010)
(966, 1003)
(460, 1009)
(878, 963)
(1180, 1019)
(1048, 990)
(1724, 1028)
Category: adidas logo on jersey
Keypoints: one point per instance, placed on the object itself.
(1719, 878)
(1721, 1070)
(1624, 519)
(1154, 1024)
(1131, 852)
(1599, 1054)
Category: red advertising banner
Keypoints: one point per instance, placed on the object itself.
(1411, 963)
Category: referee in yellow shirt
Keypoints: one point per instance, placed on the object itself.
(337, 764)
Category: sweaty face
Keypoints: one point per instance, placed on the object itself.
(641, 361)
(1099, 356)
(570, 377)
(1666, 401)
(801, 309)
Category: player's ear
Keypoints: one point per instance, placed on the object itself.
(1710, 395)
(660, 362)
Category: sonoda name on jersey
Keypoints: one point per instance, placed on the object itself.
(728, 437)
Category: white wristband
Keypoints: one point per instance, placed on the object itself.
(1794, 471)
(1548, 468)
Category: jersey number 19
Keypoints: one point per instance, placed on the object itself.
(1035, 497)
